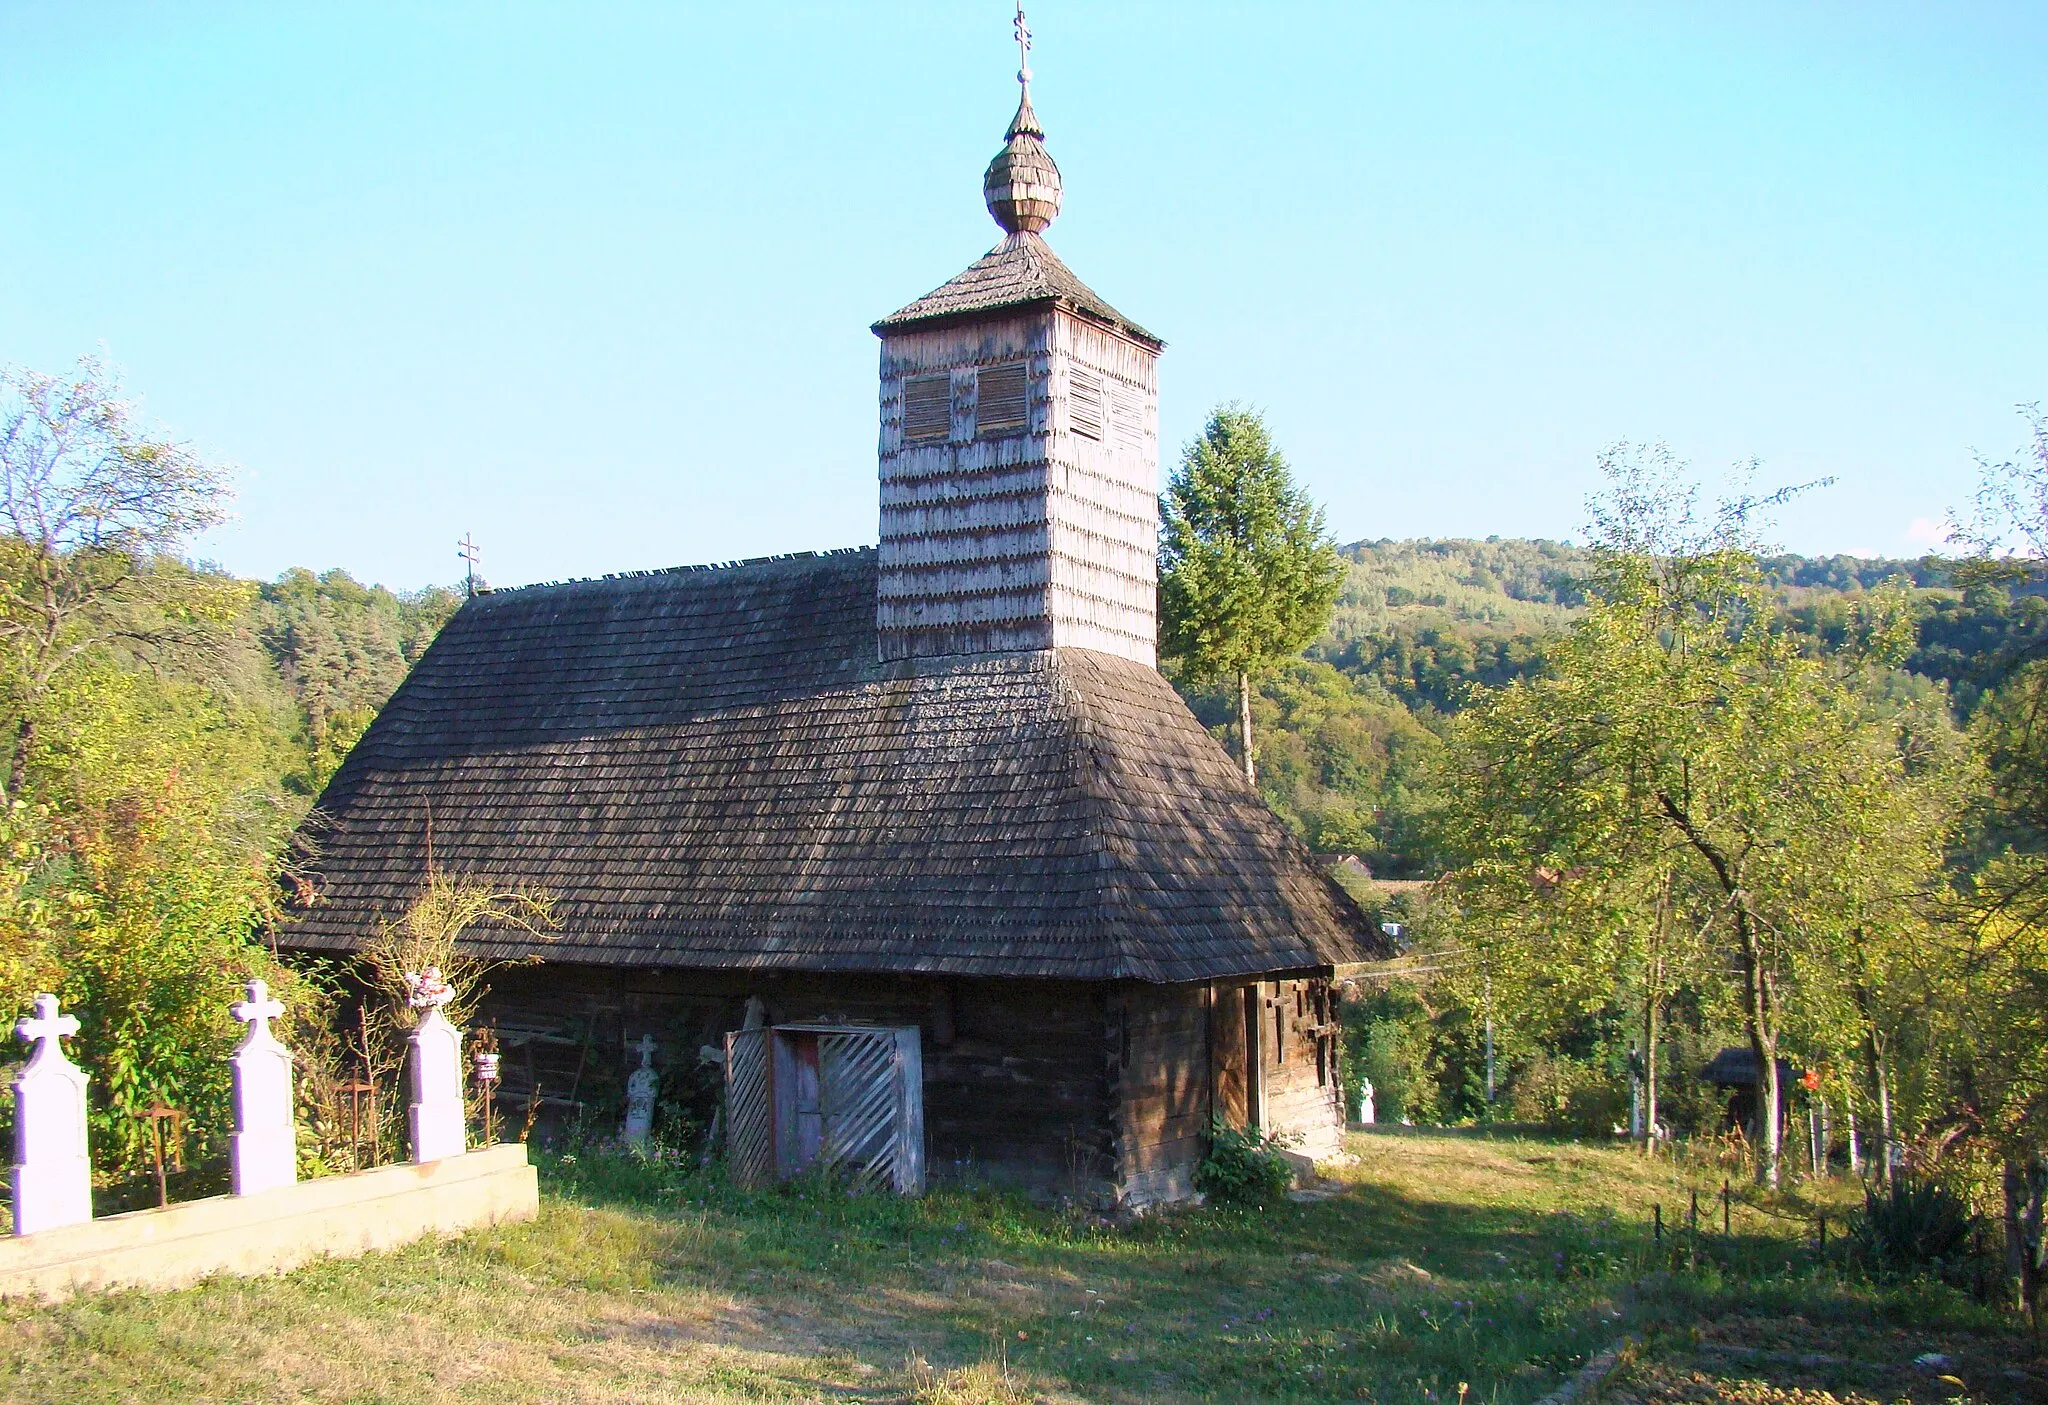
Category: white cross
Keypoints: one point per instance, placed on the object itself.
(646, 1050)
(257, 1010)
(45, 1024)
(1023, 46)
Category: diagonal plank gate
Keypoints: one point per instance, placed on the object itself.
(848, 1099)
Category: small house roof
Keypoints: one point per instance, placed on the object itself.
(711, 768)
(1735, 1067)
(1021, 272)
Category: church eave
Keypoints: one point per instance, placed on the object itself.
(907, 321)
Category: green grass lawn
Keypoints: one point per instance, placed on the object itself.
(1443, 1263)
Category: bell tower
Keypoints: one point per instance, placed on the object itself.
(1019, 445)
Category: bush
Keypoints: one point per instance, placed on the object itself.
(1596, 1109)
(1387, 1038)
(1560, 1092)
(1916, 1226)
(1244, 1166)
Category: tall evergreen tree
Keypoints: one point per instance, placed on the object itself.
(1248, 573)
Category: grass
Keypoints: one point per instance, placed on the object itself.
(1494, 1261)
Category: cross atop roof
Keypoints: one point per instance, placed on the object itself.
(1023, 48)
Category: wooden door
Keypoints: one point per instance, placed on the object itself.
(799, 1124)
(749, 1108)
(1234, 1053)
(1261, 1031)
(807, 1112)
(874, 1106)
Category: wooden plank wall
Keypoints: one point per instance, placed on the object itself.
(965, 546)
(1304, 1094)
(1013, 1074)
(1102, 496)
(1177, 1053)
(1158, 1063)
(1025, 540)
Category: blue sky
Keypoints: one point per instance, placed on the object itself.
(594, 282)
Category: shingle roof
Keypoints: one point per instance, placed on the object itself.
(1735, 1067)
(709, 768)
(1022, 271)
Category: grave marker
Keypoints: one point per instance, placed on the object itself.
(436, 1115)
(264, 1146)
(641, 1090)
(52, 1178)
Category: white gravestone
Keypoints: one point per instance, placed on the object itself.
(640, 1091)
(52, 1173)
(263, 1149)
(436, 1116)
(1365, 1102)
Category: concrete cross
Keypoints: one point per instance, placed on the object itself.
(257, 1011)
(436, 1117)
(641, 1090)
(52, 1176)
(263, 1152)
(45, 1027)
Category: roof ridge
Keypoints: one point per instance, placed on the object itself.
(1121, 959)
(1021, 271)
(704, 568)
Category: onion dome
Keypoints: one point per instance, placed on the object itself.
(1022, 186)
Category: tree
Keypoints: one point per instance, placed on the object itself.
(1994, 959)
(1569, 903)
(144, 737)
(1247, 571)
(90, 501)
(1682, 745)
(341, 649)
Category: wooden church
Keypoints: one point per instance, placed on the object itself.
(938, 785)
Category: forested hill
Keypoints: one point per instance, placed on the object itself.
(337, 650)
(1345, 734)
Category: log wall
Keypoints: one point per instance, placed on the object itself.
(1101, 1093)
(1158, 1063)
(1013, 1070)
(1182, 1054)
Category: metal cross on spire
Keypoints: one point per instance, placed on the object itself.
(466, 552)
(1023, 48)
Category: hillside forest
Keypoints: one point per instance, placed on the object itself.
(1595, 890)
(1350, 732)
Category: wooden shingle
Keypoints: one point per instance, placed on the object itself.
(712, 769)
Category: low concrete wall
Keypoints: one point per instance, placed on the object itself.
(273, 1230)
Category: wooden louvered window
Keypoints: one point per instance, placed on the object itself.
(927, 408)
(1129, 419)
(1084, 404)
(1000, 406)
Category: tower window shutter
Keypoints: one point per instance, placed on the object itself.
(1000, 406)
(1129, 419)
(927, 408)
(1084, 404)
